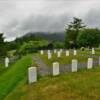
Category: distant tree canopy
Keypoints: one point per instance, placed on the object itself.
(58, 44)
(3, 48)
(89, 37)
(32, 46)
(72, 32)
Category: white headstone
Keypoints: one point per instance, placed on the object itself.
(61, 50)
(49, 51)
(55, 68)
(99, 61)
(42, 52)
(32, 75)
(74, 65)
(58, 54)
(93, 51)
(67, 52)
(55, 51)
(75, 52)
(49, 55)
(90, 63)
(7, 62)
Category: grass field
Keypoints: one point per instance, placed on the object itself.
(83, 85)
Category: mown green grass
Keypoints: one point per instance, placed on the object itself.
(3, 69)
(14, 75)
(83, 85)
(82, 56)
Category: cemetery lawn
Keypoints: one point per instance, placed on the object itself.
(83, 85)
(82, 56)
(14, 75)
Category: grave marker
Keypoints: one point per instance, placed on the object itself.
(55, 51)
(75, 52)
(93, 51)
(49, 51)
(49, 55)
(55, 68)
(74, 65)
(58, 54)
(67, 52)
(90, 63)
(42, 52)
(7, 62)
(99, 61)
(32, 75)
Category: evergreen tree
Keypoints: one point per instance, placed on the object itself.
(72, 32)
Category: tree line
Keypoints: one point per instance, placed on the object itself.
(76, 35)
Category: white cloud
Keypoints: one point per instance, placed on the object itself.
(20, 16)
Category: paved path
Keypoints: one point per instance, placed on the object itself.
(43, 69)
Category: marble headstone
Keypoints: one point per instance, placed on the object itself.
(99, 61)
(7, 62)
(75, 52)
(58, 54)
(74, 65)
(49, 55)
(55, 51)
(42, 52)
(32, 75)
(55, 68)
(67, 52)
(93, 51)
(90, 63)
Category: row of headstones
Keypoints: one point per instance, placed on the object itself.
(60, 52)
(32, 71)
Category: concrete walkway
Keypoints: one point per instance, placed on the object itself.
(43, 69)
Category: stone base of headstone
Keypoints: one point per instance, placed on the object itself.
(55, 69)
(90, 63)
(74, 65)
(32, 75)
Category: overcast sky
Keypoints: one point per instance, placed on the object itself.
(21, 16)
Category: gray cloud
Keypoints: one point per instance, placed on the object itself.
(18, 17)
